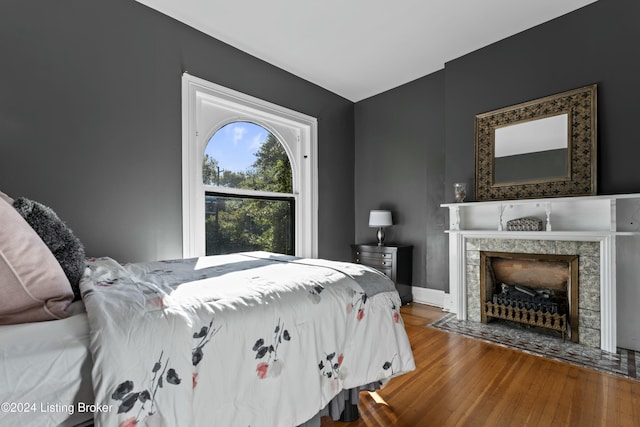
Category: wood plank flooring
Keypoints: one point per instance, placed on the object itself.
(460, 381)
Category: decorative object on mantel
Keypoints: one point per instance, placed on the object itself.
(380, 219)
(460, 189)
(515, 223)
(512, 162)
(525, 224)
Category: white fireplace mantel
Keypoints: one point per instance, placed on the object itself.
(613, 221)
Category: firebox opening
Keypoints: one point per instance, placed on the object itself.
(539, 291)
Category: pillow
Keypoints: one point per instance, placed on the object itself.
(60, 240)
(33, 286)
(6, 198)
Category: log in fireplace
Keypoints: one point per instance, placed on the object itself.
(539, 290)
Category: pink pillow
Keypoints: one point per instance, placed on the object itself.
(33, 286)
(6, 198)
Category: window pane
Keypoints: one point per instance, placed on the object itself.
(236, 224)
(245, 155)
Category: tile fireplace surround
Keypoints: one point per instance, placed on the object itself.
(601, 230)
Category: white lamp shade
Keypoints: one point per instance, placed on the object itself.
(380, 218)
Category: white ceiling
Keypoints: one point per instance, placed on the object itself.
(359, 48)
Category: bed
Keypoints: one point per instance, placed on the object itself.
(248, 339)
(257, 338)
(46, 371)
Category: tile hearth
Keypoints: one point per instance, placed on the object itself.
(625, 363)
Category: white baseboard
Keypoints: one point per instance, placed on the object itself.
(428, 296)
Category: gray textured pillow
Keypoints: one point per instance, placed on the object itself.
(60, 240)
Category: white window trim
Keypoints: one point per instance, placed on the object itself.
(297, 132)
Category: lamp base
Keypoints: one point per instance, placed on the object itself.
(380, 235)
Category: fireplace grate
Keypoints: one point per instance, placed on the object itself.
(536, 290)
(528, 316)
(545, 300)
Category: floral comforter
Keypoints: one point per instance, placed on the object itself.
(251, 339)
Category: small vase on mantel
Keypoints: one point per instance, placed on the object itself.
(460, 189)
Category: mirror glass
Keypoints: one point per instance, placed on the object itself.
(532, 151)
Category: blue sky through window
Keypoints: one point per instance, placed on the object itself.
(234, 146)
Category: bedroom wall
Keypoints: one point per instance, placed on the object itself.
(90, 121)
(595, 44)
(400, 166)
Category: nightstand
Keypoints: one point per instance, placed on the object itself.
(392, 260)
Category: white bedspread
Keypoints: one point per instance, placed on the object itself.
(253, 339)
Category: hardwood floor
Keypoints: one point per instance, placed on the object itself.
(460, 381)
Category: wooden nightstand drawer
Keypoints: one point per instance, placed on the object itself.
(374, 261)
(374, 254)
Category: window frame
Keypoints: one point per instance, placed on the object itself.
(207, 108)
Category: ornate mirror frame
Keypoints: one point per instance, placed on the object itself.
(580, 105)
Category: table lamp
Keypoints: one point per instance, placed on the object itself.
(380, 219)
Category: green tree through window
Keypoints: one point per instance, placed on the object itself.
(259, 220)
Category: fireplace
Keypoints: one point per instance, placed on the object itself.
(584, 263)
(536, 290)
(603, 231)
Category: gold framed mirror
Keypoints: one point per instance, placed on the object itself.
(541, 148)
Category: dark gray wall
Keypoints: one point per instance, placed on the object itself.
(400, 166)
(413, 138)
(90, 121)
(595, 44)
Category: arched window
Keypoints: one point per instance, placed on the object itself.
(245, 155)
(214, 190)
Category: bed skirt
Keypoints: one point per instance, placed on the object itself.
(344, 406)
